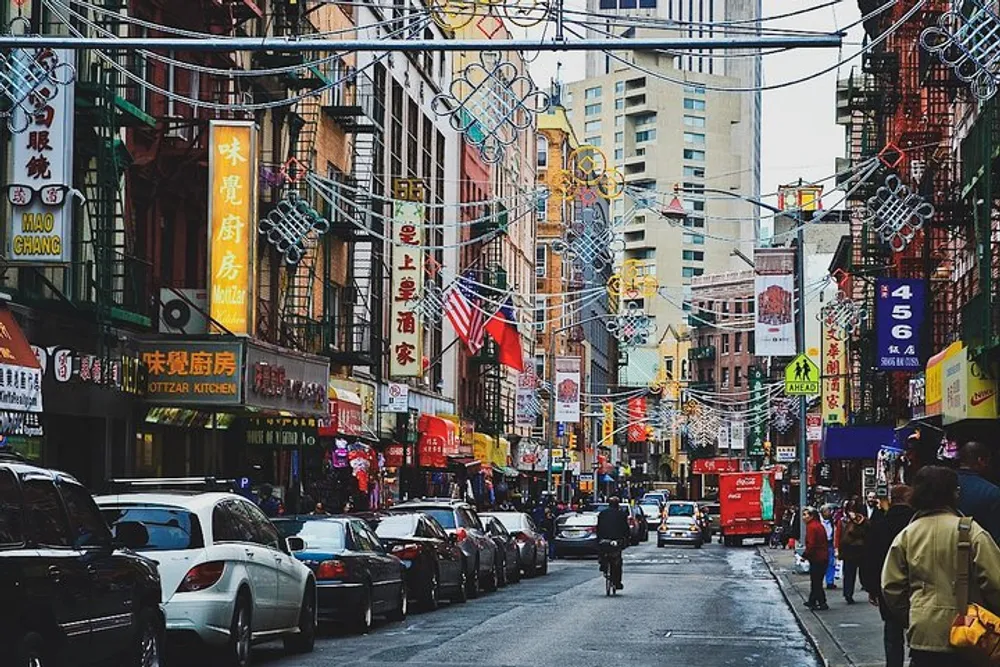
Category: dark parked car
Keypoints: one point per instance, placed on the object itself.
(62, 571)
(531, 542)
(637, 522)
(576, 535)
(355, 577)
(432, 560)
(509, 562)
(460, 519)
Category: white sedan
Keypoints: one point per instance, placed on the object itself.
(228, 577)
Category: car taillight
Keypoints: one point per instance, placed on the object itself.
(406, 551)
(202, 576)
(461, 534)
(331, 569)
(591, 529)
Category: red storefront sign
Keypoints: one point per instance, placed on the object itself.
(393, 456)
(345, 416)
(438, 440)
(636, 431)
(715, 466)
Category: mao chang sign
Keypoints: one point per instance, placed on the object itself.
(194, 373)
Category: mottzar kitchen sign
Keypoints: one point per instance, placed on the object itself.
(201, 373)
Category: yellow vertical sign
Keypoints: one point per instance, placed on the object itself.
(232, 231)
(608, 423)
(834, 390)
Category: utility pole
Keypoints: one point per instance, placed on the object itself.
(800, 347)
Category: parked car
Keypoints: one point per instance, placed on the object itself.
(576, 535)
(356, 578)
(62, 569)
(460, 518)
(637, 525)
(680, 525)
(228, 576)
(652, 510)
(431, 559)
(531, 542)
(509, 564)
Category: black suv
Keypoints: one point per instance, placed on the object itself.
(71, 594)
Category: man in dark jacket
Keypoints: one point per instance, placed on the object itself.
(978, 497)
(612, 524)
(882, 531)
(817, 553)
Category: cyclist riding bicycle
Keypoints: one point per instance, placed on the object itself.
(612, 526)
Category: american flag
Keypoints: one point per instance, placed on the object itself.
(465, 315)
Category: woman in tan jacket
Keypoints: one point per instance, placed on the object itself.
(919, 575)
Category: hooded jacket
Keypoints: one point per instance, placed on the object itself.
(920, 573)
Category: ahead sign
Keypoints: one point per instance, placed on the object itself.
(801, 377)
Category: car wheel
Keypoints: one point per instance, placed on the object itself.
(462, 594)
(31, 651)
(545, 564)
(472, 585)
(304, 640)
(365, 617)
(429, 600)
(398, 615)
(239, 647)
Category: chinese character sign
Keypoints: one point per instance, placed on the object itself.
(607, 423)
(40, 227)
(757, 432)
(232, 197)
(194, 373)
(636, 419)
(834, 371)
(406, 339)
(567, 387)
(899, 315)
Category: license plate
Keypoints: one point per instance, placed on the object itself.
(575, 533)
(676, 534)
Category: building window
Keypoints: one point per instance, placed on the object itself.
(540, 304)
(645, 119)
(739, 307)
(542, 146)
(619, 122)
(693, 255)
(725, 306)
(694, 239)
(619, 87)
(691, 154)
(592, 126)
(592, 93)
(592, 109)
(645, 135)
(694, 89)
(568, 101)
(592, 141)
(750, 347)
(541, 209)
(725, 378)
(694, 105)
(695, 222)
(725, 343)
(738, 339)
(541, 260)
(619, 154)
(738, 372)
(694, 121)
(619, 137)
(694, 138)
(691, 272)
(711, 375)
(619, 104)
(695, 172)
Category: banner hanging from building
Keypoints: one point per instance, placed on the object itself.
(406, 338)
(232, 230)
(899, 317)
(526, 407)
(774, 289)
(834, 367)
(637, 419)
(39, 187)
(567, 388)
(607, 423)
(933, 396)
(758, 412)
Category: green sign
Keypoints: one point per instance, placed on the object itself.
(758, 404)
(801, 377)
(194, 372)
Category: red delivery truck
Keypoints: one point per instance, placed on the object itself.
(746, 506)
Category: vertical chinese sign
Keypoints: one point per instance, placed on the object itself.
(406, 336)
(834, 371)
(607, 423)
(758, 413)
(40, 230)
(899, 318)
(636, 431)
(232, 232)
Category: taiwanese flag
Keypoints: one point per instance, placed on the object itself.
(502, 327)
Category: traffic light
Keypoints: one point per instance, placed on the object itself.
(572, 439)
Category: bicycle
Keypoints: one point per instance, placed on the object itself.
(612, 560)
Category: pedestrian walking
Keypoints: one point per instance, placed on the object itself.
(817, 553)
(882, 531)
(826, 517)
(850, 543)
(977, 496)
(920, 571)
(872, 506)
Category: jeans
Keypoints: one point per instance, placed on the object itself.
(932, 659)
(831, 568)
(850, 576)
(892, 637)
(817, 595)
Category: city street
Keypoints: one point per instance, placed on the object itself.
(714, 606)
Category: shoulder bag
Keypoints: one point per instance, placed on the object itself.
(975, 630)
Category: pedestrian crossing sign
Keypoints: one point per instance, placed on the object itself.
(801, 377)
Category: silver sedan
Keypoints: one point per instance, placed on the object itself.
(532, 547)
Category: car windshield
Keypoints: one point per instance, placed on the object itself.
(400, 525)
(445, 517)
(680, 510)
(650, 508)
(320, 535)
(169, 528)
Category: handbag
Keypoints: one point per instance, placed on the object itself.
(975, 630)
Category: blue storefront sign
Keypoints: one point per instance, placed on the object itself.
(899, 318)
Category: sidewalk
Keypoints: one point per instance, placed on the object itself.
(844, 636)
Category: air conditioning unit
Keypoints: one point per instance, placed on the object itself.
(183, 311)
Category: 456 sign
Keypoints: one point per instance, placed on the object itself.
(899, 317)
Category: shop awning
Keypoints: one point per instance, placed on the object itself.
(345, 415)
(438, 441)
(20, 372)
(856, 442)
(507, 471)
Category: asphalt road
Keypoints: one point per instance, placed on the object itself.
(681, 606)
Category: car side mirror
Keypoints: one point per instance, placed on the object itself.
(295, 544)
(131, 534)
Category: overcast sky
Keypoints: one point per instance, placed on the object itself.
(800, 137)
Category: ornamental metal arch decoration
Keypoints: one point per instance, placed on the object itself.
(969, 43)
(896, 213)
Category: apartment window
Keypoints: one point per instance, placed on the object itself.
(619, 137)
(694, 205)
(619, 87)
(694, 172)
(542, 146)
(694, 89)
(541, 260)
(694, 138)
(739, 307)
(738, 339)
(592, 93)
(541, 209)
(725, 307)
(693, 255)
(694, 222)
(592, 109)
(619, 154)
(645, 135)
(693, 104)
(619, 104)
(711, 375)
(540, 303)
(592, 141)
(738, 380)
(694, 239)
(750, 347)
(691, 272)
(694, 188)
(694, 121)
(645, 119)
(725, 343)
(619, 122)
(725, 378)
(691, 154)
(568, 101)
(592, 126)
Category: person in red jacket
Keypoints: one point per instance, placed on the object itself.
(818, 554)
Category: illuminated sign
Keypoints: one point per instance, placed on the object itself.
(194, 373)
(406, 339)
